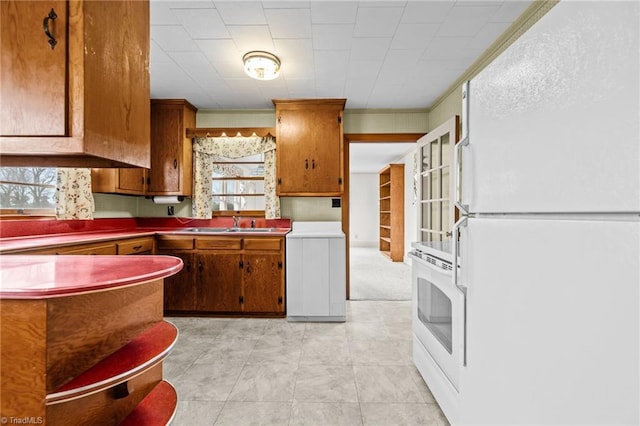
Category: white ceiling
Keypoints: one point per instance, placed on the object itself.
(377, 54)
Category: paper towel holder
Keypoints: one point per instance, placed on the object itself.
(166, 199)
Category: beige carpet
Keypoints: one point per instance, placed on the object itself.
(375, 277)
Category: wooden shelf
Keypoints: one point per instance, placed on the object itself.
(134, 358)
(392, 211)
(157, 408)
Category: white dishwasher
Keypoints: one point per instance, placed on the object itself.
(316, 272)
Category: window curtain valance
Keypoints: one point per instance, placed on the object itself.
(205, 151)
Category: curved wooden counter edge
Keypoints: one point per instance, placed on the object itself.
(43, 277)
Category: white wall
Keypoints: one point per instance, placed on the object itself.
(363, 209)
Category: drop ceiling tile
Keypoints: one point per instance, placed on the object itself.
(363, 72)
(445, 47)
(466, 21)
(377, 22)
(510, 11)
(231, 69)
(172, 38)
(215, 50)
(378, 3)
(156, 54)
(289, 23)
(299, 70)
(369, 48)
(251, 37)
(330, 88)
(202, 23)
(196, 66)
(161, 14)
(301, 89)
(286, 4)
(332, 36)
(414, 36)
(295, 49)
(241, 12)
(331, 64)
(397, 65)
(426, 11)
(488, 34)
(333, 12)
(186, 4)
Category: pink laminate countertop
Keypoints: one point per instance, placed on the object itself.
(44, 241)
(42, 277)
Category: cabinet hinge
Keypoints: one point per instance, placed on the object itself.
(279, 264)
(279, 181)
(339, 119)
(241, 264)
(241, 300)
(279, 119)
(279, 300)
(339, 181)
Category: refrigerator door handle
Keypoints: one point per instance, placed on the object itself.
(456, 249)
(457, 173)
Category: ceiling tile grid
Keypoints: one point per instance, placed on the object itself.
(377, 54)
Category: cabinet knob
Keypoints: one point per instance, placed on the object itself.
(45, 26)
(313, 164)
(306, 164)
(175, 163)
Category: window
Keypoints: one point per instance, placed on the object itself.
(238, 184)
(27, 191)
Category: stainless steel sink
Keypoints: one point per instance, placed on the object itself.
(249, 229)
(221, 230)
(205, 229)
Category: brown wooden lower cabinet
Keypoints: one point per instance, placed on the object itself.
(219, 282)
(179, 289)
(225, 275)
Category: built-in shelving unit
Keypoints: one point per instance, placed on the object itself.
(392, 212)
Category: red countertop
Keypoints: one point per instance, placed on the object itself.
(41, 277)
(34, 234)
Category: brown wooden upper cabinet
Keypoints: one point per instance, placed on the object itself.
(309, 138)
(74, 83)
(171, 151)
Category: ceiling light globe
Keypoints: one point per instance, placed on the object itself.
(261, 65)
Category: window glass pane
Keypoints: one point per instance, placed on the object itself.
(238, 183)
(27, 188)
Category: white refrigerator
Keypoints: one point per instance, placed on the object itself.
(548, 180)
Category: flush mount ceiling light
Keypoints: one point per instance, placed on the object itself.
(261, 65)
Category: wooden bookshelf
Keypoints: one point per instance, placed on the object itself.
(392, 212)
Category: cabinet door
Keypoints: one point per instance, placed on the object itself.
(326, 158)
(166, 150)
(263, 282)
(131, 181)
(309, 151)
(32, 74)
(219, 281)
(180, 289)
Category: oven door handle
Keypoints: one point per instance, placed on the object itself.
(456, 249)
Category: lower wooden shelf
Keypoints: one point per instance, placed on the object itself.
(157, 408)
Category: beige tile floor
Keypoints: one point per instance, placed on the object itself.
(249, 371)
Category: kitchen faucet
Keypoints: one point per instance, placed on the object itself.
(236, 219)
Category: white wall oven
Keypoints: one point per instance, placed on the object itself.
(438, 313)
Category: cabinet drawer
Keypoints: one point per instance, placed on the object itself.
(98, 249)
(140, 245)
(219, 243)
(263, 244)
(178, 243)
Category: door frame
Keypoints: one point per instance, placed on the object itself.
(350, 138)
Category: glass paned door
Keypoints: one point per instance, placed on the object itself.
(436, 214)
